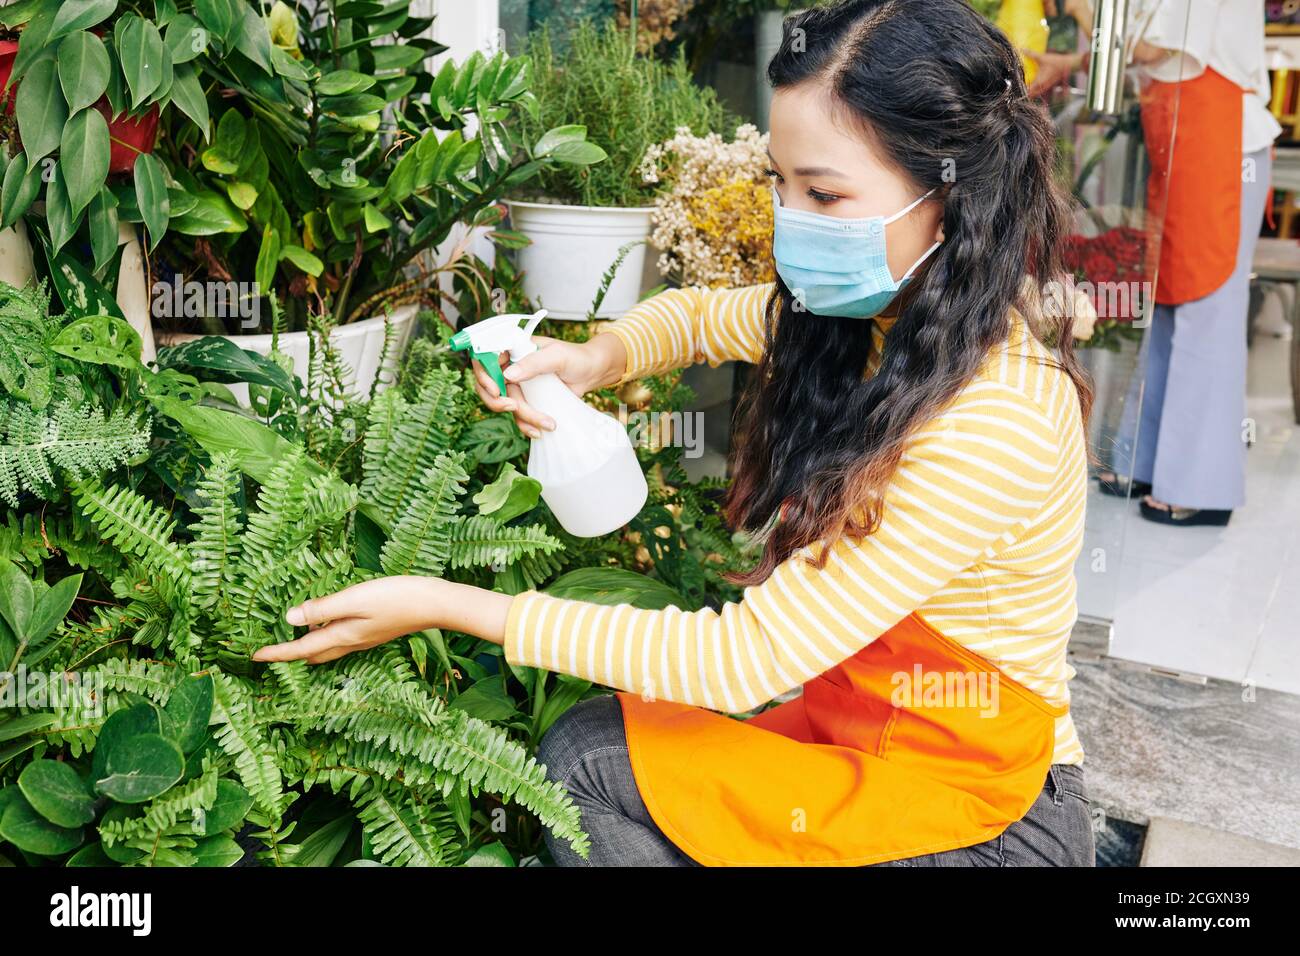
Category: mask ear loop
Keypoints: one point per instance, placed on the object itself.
(917, 264)
(903, 212)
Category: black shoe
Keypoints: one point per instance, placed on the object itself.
(1186, 517)
(1109, 483)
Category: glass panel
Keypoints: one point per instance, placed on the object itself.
(1109, 161)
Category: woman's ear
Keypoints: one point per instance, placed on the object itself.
(938, 232)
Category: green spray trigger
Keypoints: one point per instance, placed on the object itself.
(486, 340)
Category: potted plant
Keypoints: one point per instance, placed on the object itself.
(337, 193)
(585, 219)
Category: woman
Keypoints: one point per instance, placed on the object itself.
(915, 459)
(1183, 440)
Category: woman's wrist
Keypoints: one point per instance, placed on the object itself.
(611, 358)
(470, 610)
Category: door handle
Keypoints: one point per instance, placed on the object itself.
(1106, 72)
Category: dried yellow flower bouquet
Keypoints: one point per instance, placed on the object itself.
(713, 226)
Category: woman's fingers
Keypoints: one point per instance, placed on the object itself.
(311, 645)
(530, 421)
(489, 391)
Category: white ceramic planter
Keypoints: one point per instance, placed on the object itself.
(360, 345)
(571, 249)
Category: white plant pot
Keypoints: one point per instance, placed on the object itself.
(360, 346)
(572, 247)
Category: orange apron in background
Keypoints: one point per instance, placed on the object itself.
(849, 773)
(1193, 202)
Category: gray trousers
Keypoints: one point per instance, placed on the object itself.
(585, 751)
(1189, 443)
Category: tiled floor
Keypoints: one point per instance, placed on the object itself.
(1222, 603)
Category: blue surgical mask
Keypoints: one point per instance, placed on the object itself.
(837, 266)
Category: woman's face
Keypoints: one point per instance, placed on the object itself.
(821, 165)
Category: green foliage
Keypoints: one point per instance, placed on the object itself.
(622, 102)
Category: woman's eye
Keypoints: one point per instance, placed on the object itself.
(772, 174)
(824, 199)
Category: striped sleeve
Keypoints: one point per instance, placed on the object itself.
(976, 475)
(684, 326)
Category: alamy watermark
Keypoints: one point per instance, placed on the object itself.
(919, 688)
(42, 690)
(655, 430)
(190, 299)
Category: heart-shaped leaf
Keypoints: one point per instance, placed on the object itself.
(83, 69)
(83, 158)
(151, 193)
(41, 110)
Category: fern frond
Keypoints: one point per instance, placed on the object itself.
(421, 542)
(478, 541)
(135, 526)
(239, 735)
(214, 552)
(402, 831)
(410, 443)
(78, 439)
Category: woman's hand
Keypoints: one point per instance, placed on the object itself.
(583, 367)
(1054, 69)
(369, 614)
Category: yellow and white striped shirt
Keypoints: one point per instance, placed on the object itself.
(980, 529)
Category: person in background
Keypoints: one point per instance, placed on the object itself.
(1209, 133)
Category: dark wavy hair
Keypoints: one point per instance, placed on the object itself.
(938, 89)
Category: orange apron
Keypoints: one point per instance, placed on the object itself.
(890, 754)
(1193, 136)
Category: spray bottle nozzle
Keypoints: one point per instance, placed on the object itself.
(486, 340)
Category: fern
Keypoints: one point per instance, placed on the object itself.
(240, 736)
(402, 831)
(78, 439)
(136, 527)
(162, 815)
(215, 550)
(479, 541)
(421, 543)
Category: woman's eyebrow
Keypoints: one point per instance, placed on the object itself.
(812, 170)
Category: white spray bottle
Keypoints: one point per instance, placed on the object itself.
(590, 477)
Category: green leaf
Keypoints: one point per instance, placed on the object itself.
(80, 14)
(253, 39)
(100, 340)
(83, 158)
(102, 218)
(325, 843)
(186, 39)
(79, 291)
(561, 134)
(486, 700)
(219, 851)
(187, 94)
(26, 829)
(151, 193)
(41, 110)
(120, 726)
(609, 585)
(225, 361)
(58, 211)
(229, 810)
(52, 607)
(17, 599)
(18, 726)
(187, 712)
(494, 854)
(226, 154)
(222, 18)
(578, 154)
(212, 214)
(21, 186)
(140, 768)
(57, 793)
(83, 69)
(92, 854)
(140, 47)
(268, 257)
(340, 82)
(511, 495)
(375, 221)
(303, 259)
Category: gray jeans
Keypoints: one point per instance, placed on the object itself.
(586, 752)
